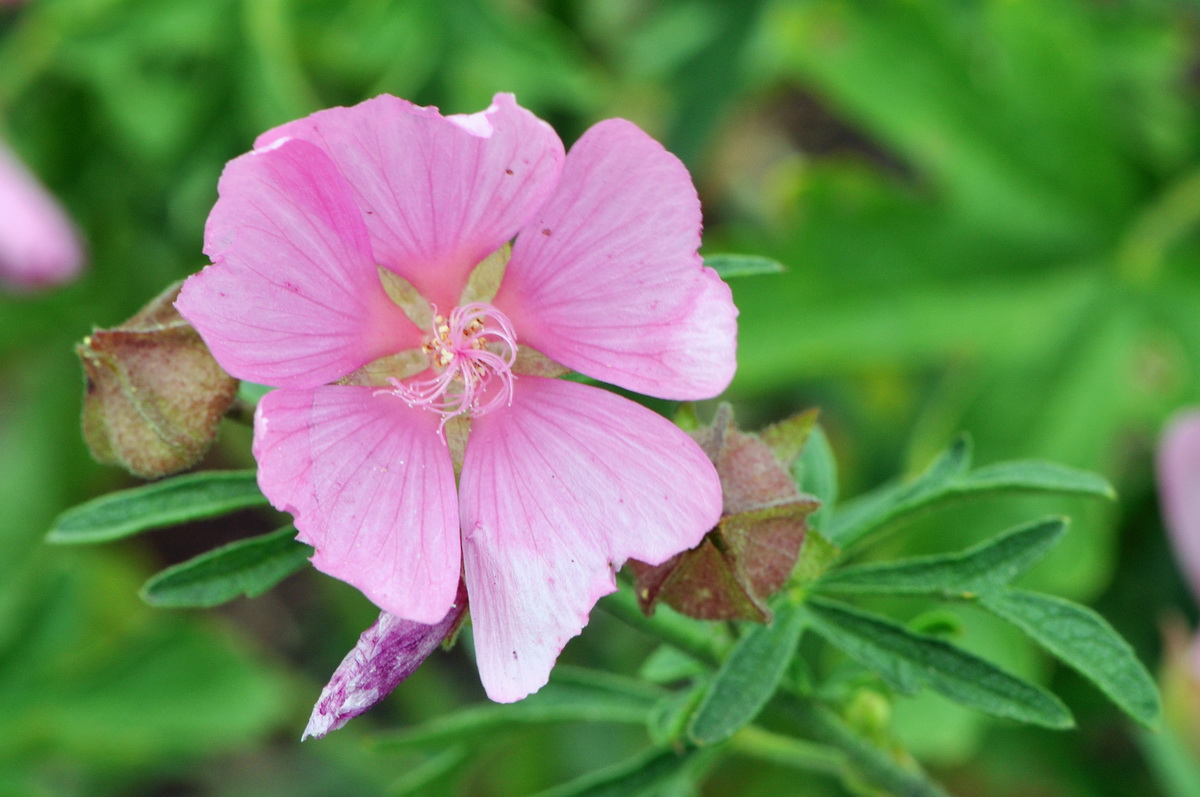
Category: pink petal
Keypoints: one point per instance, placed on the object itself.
(607, 280)
(38, 244)
(439, 194)
(371, 486)
(386, 654)
(1179, 492)
(557, 491)
(293, 297)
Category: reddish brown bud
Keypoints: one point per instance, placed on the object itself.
(752, 551)
(154, 394)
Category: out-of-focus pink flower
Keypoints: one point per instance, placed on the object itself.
(1179, 492)
(38, 244)
(344, 273)
(1179, 498)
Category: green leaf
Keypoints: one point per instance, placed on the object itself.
(667, 664)
(1086, 642)
(816, 474)
(420, 778)
(1036, 476)
(876, 509)
(573, 695)
(946, 482)
(633, 776)
(748, 678)
(909, 661)
(247, 567)
(728, 266)
(962, 575)
(178, 500)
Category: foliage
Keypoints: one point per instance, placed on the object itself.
(986, 214)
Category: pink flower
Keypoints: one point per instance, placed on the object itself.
(344, 251)
(1179, 495)
(38, 245)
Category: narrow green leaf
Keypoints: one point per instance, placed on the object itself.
(1086, 642)
(419, 778)
(909, 661)
(962, 575)
(815, 472)
(729, 266)
(947, 482)
(247, 567)
(568, 699)
(881, 507)
(164, 503)
(748, 678)
(633, 776)
(667, 664)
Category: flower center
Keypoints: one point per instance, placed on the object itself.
(471, 353)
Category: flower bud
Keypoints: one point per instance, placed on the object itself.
(154, 394)
(753, 549)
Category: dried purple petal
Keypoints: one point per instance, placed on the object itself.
(386, 654)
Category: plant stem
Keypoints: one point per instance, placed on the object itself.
(1160, 226)
(755, 742)
(675, 631)
(868, 761)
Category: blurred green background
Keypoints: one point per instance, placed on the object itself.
(988, 211)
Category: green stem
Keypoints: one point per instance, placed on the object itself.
(1172, 216)
(672, 630)
(868, 761)
(755, 742)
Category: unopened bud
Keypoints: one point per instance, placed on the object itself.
(752, 551)
(154, 393)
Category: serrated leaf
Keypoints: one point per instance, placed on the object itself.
(1085, 641)
(246, 567)
(908, 661)
(946, 482)
(193, 496)
(748, 677)
(633, 776)
(729, 266)
(985, 567)
(597, 697)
